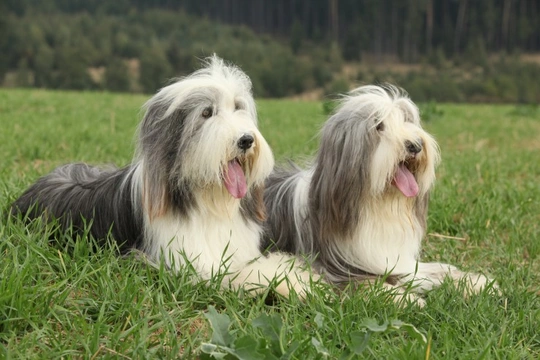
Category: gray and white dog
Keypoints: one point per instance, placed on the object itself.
(193, 192)
(360, 210)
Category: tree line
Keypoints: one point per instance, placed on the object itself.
(404, 28)
(286, 46)
(139, 51)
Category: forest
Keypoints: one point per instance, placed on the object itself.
(444, 50)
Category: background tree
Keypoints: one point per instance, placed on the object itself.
(117, 75)
(24, 76)
(71, 70)
(4, 42)
(297, 35)
(43, 66)
(155, 69)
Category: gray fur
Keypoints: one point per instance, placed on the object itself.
(341, 172)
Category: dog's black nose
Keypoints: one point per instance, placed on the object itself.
(245, 142)
(414, 147)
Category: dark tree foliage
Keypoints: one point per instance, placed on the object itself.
(4, 38)
(286, 46)
(61, 50)
(155, 69)
(404, 27)
(117, 75)
(72, 70)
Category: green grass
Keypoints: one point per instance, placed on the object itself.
(70, 301)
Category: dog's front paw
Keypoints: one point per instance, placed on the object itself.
(476, 283)
(292, 275)
(300, 282)
(403, 296)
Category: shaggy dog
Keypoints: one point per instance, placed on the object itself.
(361, 209)
(193, 192)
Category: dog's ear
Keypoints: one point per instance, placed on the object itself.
(341, 176)
(158, 151)
(253, 206)
(421, 209)
(258, 203)
(155, 197)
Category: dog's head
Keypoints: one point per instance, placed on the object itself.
(372, 147)
(200, 134)
(403, 154)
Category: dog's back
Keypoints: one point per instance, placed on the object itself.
(84, 197)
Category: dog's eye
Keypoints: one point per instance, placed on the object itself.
(207, 112)
(380, 126)
(238, 106)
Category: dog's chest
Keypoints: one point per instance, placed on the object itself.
(388, 238)
(207, 241)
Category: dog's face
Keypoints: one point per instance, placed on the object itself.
(221, 145)
(404, 159)
(200, 134)
(377, 138)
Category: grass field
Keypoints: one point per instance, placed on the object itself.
(78, 303)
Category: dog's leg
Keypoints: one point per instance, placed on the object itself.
(430, 275)
(287, 273)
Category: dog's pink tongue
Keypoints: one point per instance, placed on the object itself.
(405, 181)
(235, 181)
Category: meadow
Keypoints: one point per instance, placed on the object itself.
(71, 301)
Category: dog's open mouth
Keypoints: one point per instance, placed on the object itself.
(234, 179)
(404, 179)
